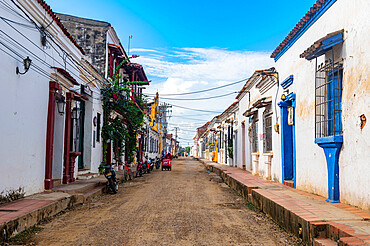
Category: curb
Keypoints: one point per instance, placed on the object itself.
(313, 231)
(22, 222)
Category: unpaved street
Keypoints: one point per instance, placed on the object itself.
(185, 206)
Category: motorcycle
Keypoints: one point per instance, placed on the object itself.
(139, 169)
(151, 164)
(110, 174)
(157, 163)
(146, 167)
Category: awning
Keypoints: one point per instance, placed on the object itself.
(79, 96)
(322, 45)
(116, 49)
(260, 103)
(137, 73)
(263, 102)
(250, 112)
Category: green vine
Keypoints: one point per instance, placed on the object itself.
(123, 117)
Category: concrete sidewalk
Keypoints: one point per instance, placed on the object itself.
(22, 214)
(305, 215)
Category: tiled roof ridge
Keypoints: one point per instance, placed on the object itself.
(59, 23)
(305, 19)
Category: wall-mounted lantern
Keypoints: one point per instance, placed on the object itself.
(61, 103)
(75, 113)
(27, 64)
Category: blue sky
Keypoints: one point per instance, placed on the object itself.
(191, 45)
(235, 25)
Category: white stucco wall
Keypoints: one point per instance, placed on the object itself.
(261, 168)
(243, 106)
(97, 151)
(24, 101)
(23, 106)
(354, 169)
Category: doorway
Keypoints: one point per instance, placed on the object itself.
(288, 150)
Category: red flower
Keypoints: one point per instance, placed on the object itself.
(115, 96)
(134, 56)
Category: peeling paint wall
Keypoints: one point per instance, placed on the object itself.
(354, 168)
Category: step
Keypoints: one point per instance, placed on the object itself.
(83, 171)
(289, 183)
(324, 242)
(57, 182)
(87, 176)
(351, 241)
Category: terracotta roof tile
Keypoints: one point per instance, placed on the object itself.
(313, 10)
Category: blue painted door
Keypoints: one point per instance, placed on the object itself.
(288, 140)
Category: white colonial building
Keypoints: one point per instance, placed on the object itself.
(323, 66)
(256, 119)
(41, 98)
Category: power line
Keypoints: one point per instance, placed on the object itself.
(204, 98)
(201, 110)
(42, 30)
(193, 114)
(205, 90)
(36, 56)
(187, 118)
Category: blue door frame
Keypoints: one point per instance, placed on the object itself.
(288, 150)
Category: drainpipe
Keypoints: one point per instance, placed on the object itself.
(48, 182)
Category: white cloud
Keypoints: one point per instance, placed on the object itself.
(182, 70)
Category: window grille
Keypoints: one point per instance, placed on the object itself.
(255, 134)
(98, 118)
(267, 131)
(328, 99)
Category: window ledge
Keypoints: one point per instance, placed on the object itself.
(329, 140)
(268, 154)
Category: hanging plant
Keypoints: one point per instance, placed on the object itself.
(123, 116)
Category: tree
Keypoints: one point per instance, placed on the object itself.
(188, 150)
(123, 116)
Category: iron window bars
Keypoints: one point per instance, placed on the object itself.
(267, 130)
(328, 98)
(254, 134)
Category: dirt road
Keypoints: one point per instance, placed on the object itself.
(185, 206)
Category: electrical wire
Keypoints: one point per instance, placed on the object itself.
(182, 130)
(206, 90)
(194, 114)
(42, 30)
(200, 110)
(34, 67)
(204, 98)
(36, 56)
(187, 118)
(20, 24)
(38, 69)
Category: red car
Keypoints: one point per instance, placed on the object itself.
(166, 164)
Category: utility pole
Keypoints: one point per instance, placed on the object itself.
(176, 127)
(129, 42)
(164, 111)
